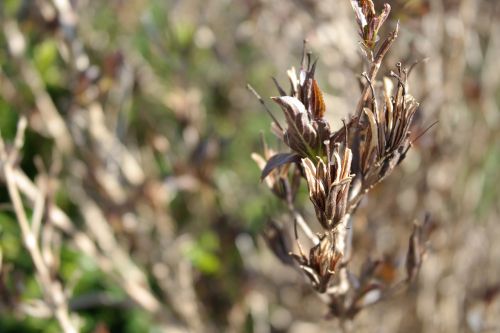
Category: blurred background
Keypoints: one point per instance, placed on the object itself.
(137, 155)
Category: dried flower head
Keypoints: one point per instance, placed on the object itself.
(321, 264)
(328, 184)
(304, 109)
(387, 130)
(368, 21)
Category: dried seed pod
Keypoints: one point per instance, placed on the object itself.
(304, 110)
(369, 22)
(321, 264)
(328, 185)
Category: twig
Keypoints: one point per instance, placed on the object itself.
(374, 68)
(54, 124)
(52, 288)
(299, 220)
(261, 101)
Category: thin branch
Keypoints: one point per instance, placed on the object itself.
(52, 288)
(374, 68)
(261, 101)
(299, 220)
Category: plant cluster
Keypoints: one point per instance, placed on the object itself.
(340, 167)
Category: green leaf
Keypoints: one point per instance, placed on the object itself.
(45, 57)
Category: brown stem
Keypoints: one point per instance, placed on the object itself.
(374, 68)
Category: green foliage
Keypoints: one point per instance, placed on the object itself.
(202, 253)
(8, 120)
(45, 57)
(11, 243)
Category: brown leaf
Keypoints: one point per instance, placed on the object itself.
(300, 135)
(277, 161)
(358, 7)
(373, 131)
(384, 15)
(317, 103)
(277, 240)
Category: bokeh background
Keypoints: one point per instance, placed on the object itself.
(140, 130)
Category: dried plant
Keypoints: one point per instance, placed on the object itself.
(340, 167)
(131, 193)
(121, 204)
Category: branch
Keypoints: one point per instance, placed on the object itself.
(374, 68)
(52, 288)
